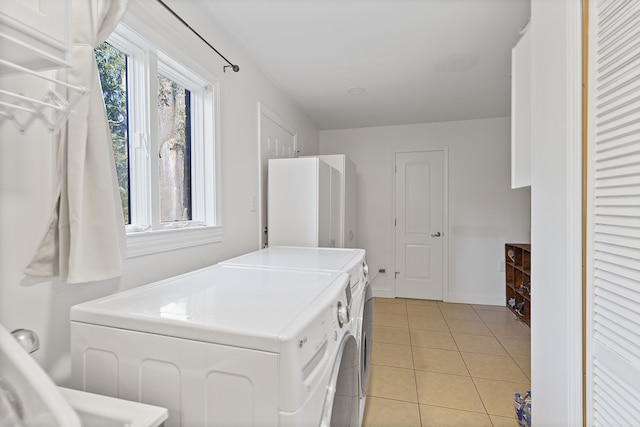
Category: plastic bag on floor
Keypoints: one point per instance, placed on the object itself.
(522, 405)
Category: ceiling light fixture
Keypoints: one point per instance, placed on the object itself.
(356, 90)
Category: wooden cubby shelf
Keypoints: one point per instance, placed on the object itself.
(517, 258)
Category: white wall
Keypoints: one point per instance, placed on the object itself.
(484, 212)
(26, 168)
(556, 216)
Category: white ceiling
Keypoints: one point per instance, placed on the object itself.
(418, 60)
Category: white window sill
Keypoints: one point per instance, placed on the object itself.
(155, 241)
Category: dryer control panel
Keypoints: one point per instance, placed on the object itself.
(359, 274)
(307, 359)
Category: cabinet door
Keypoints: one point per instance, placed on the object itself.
(344, 229)
(521, 113)
(294, 212)
(33, 33)
(337, 163)
(335, 206)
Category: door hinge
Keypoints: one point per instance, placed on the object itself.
(395, 222)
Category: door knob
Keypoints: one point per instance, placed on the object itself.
(436, 235)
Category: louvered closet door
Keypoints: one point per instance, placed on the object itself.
(613, 216)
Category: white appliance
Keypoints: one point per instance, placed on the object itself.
(225, 346)
(350, 261)
(347, 230)
(303, 207)
(28, 397)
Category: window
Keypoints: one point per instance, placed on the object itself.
(112, 65)
(174, 136)
(162, 122)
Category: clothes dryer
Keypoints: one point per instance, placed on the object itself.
(225, 346)
(351, 261)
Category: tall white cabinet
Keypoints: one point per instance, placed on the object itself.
(303, 207)
(347, 233)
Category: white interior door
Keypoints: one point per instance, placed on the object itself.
(419, 216)
(277, 140)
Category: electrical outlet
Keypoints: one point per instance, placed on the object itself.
(502, 266)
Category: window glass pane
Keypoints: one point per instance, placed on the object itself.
(112, 66)
(174, 130)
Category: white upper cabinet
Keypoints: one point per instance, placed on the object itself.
(521, 112)
(34, 33)
(304, 203)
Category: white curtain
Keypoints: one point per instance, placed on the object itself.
(85, 240)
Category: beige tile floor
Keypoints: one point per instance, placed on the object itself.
(442, 364)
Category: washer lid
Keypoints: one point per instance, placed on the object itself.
(320, 259)
(239, 306)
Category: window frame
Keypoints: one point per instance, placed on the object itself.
(146, 234)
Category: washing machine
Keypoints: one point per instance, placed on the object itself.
(225, 346)
(351, 261)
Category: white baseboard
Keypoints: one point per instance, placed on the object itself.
(460, 298)
(383, 293)
(466, 298)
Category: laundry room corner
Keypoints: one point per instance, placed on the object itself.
(484, 212)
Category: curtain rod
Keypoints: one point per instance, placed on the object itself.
(224, 69)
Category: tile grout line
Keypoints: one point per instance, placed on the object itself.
(505, 349)
(413, 361)
(508, 353)
(475, 387)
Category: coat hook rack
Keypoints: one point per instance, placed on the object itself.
(234, 67)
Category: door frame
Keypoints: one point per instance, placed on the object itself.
(445, 216)
(262, 203)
